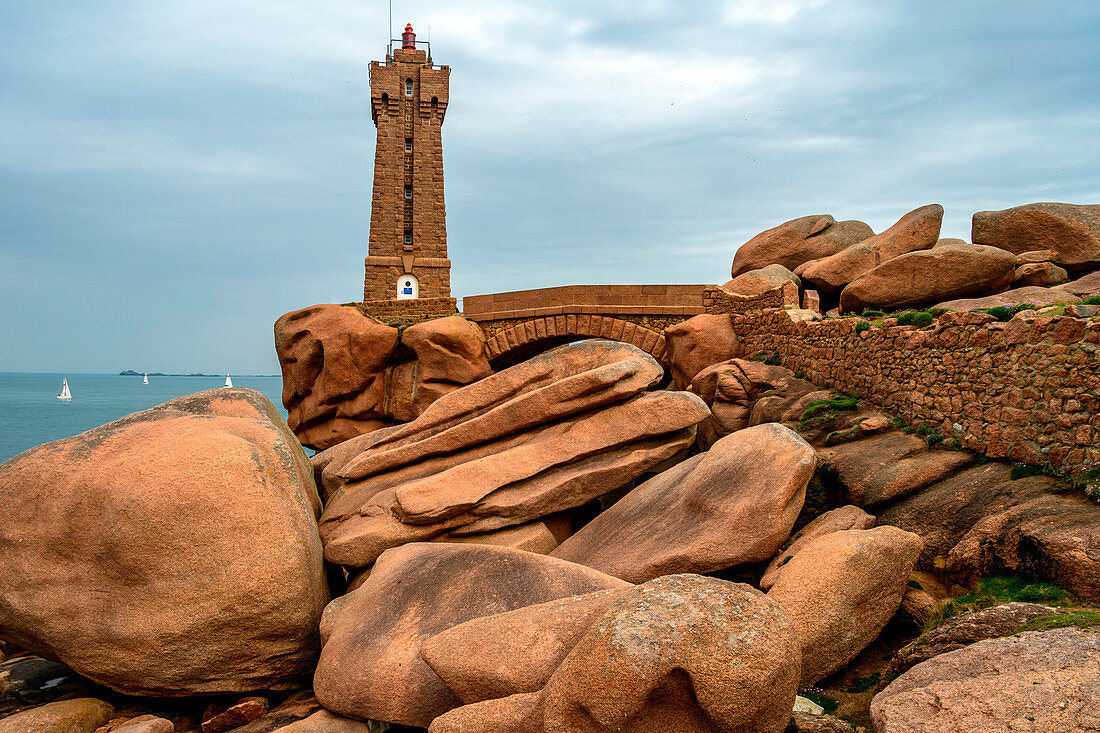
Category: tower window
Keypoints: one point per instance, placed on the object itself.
(408, 236)
(408, 145)
(408, 192)
(408, 87)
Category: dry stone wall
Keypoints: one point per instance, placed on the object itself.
(1027, 390)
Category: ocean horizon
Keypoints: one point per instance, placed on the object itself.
(32, 414)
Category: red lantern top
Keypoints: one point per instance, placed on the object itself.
(408, 38)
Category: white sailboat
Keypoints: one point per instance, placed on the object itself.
(228, 381)
(65, 394)
(145, 379)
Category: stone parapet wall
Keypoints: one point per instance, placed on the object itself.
(609, 300)
(717, 299)
(1027, 390)
(408, 312)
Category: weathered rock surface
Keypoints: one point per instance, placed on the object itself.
(698, 342)
(889, 466)
(370, 665)
(142, 724)
(917, 230)
(1055, 538)
(242, 713)
(809, 723)
(840, 590)
(541, 536)
(325, 722)
(835, 520)
(171, 552)
(732, 389)
(515, 652)
(733, 505)
(543, 436)
(1015, 296)
(1083, 287)
(1035, 681)
(680, 653)
(797, 241)
(346, 374)
(298, 706)
(960, 631)
(1039, 274)
(1071, 231)
(944, 512)
(757, 282)
(82, 715)
(929, 276)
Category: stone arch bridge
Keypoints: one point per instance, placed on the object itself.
(522, 323)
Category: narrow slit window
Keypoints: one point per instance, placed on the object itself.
(408, 236)
(408, 145)
(408, 195)
(408, 87)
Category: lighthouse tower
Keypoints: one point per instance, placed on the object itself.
(408, 275)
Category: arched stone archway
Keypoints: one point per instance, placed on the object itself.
(527, 338)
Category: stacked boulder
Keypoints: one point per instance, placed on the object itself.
(544, 436)
(1030, 249)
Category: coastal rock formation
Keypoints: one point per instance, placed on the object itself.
(1039, 274)
(733, 389)
(889, 466)
(1040, 681)
(969, 628)
(82, 715)
(797, 241)
(840, 590)
(543, 436)
(1070, 231)
(733, 505)
(836, 520)
(680, 653)
(370, 666)
(515, 652)
(698, 342)
(942, 514)
(755, 283)
(1052, 537)
(917, 230)
(928, 276)
(346, 374)
(172, 552)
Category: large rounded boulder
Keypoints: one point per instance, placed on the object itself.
(172, 552)
(929, 276)
(1070, 233)
(795, 242)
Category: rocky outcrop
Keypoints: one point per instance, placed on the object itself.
(698, 342)
(732, 389)
(172, 552)
(755, 283)
(733, 505)
(969, 628)
(929, 276)
(889, 466)
(797, 241)
(1039, 681)
(325, 722)
(680, 653)
(370, 666)
(82, 715)
(1039, 274)
(942, 514)
(917, 230)
(1056, 538)
(1070, 232)
(840, 590)
(835, 520)
(346, 374)
(543, 436)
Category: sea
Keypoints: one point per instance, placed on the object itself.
(31, 414)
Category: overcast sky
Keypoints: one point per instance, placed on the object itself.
(176, 175)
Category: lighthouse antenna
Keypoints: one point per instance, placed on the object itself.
(389, 38)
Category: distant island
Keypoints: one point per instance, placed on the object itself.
(132, 373)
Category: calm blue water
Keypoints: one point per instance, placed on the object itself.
(31, 414)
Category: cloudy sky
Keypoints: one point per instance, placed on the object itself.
(176, 175)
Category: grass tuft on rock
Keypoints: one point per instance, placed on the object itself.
(828, 408)
(1080, 619)
(995, 590)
